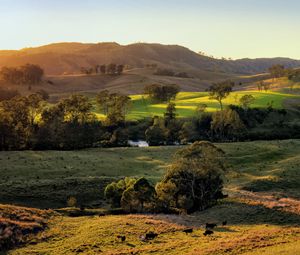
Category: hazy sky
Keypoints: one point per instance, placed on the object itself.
(229, 28)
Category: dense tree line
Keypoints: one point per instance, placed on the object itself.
(168, 72)
(110, 69)
(29, 123)
(26, 74)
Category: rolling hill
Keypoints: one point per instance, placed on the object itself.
(68, 58)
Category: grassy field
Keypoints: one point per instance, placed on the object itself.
(262, 222)
(48, 178)
(187, 102)
(97, 235)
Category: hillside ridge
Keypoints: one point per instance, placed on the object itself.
(69, 57)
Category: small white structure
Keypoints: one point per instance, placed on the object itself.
(138, 143)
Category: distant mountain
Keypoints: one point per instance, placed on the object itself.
(62, 58)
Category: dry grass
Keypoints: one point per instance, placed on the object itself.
(98, 235)
(18, 224)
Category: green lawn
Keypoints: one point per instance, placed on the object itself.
(186, 103)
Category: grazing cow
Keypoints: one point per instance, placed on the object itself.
(224, 223)
(122, 238)
(150, 236)
(142, 238)
(210, 225)
(188, 230)
(208, 232)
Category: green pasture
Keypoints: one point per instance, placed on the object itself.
(48, 178)
(187, 102)
(264, 221)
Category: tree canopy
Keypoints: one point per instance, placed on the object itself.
(194, 180)
(221, 90)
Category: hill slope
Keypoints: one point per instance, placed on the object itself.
(70, 57)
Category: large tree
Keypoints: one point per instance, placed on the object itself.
(158, 93)
(194, 179)
(247, 100)
(219, 91)
(227, 125)
(277, 71)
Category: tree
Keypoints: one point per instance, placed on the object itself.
(156, 134)
(227, 124)
(118, 107)
(119, 137)
(114, 191)
(120, 69)
(133, 195)
(200, 109)
(44, 94)
(15, 123)
(138, 197)
(246, 101)
(32, 74)
(277, 71)
(194, 180)
(115, 106)
(170, 113)
(111, 69)
(103, 101)
(188, 132)
(219, 91)
(158, 93)
(77, 108)
(26, 74)
(35, 104)
(260, 85)
(169, 92)
(294, 77)
(103, 69)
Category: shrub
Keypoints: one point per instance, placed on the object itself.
(72, 202)
(114, 191)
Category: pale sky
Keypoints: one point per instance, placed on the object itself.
(229, 28)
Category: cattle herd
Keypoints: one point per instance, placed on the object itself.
(151, 235)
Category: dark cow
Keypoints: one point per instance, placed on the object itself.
(210, 225)
(188, 230)
(122, 238)
(150, 236)
(208, 232)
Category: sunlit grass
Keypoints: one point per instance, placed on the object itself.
(187, 102)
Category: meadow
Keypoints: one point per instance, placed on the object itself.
(262, 222)
(48, 178)
(187, 102)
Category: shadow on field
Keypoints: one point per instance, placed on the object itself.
(290, 187)
(236, 213)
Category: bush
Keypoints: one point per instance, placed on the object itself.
(114, 191)
(132, 195)
(139, 197)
